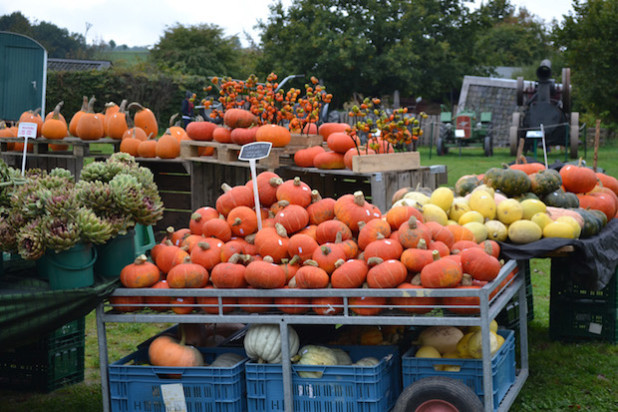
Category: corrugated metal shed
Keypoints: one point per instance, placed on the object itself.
(76, 65)
(23, 73)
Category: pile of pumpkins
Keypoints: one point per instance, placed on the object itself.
(138, 134)
(522, 203)
(310, 242)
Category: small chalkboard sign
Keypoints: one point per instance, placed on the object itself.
(255, 151)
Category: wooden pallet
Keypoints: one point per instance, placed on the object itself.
(227, 153)
(43, 158)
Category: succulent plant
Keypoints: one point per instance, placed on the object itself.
(30, 243)
(93, 228)
(59, 233)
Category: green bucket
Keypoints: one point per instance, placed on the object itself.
(71, 268)
(115, 255)
(144, 239)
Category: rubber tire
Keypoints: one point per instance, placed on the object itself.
(514, 133)
(566, 90)
(488, 146)
(455, 392)
(440, 148)
(520, 91)
(574, 134)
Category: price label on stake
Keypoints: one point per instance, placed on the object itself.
(252, 152)
(26, 130)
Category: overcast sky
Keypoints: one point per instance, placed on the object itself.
(142, 23)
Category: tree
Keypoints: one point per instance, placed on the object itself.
(198, 50)
(589, 40)
(511, 39)
(370, 46)
(58, 42)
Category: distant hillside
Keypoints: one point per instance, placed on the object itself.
(124, 58)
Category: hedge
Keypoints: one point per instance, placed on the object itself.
(161, 93)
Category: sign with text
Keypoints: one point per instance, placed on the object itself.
(27, 130)
(255, 151)
(534, 134)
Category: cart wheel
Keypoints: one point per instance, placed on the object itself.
(566, 90)
(514, 133)
(520, 91)
(438, 394)
(488, 145)
(574, 134)
(440, 148)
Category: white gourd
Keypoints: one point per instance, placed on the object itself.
(342, 356)
(263, 343)
(367, 361)
(316, 356)
(227, 360)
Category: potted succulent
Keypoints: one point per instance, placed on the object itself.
(50, 214)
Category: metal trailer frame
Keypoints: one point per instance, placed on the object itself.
(489, 309)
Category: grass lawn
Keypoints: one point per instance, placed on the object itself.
(563, 376)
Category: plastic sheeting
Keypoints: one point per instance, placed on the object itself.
(29, 310)
(593, 262)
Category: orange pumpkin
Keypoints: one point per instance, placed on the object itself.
(89, 126)
(77, 115)
(145, 119)
(55, 127)
(279, 136)
(167, 147)
(116, 122)
(168, 351)
(32, 116)
(200, 130)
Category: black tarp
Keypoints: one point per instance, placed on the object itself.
(593, 262)
(29, 310)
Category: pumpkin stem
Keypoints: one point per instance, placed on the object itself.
(250, 238)
(136, 105)
(466, 280)
(422, 244)
(435, 254)
(412, 222)
(196, 216)
(297, 181)
(295, 259)
(310, 262)
(237, 222)
(170, 230)
(416, 280)
(91, 104)
(225, 187)
(361, 224)
(380, 236)
(325, 250)
(359, 198)
(315, 196)
(187, 259)
(281, 230)
(204, 245)
(275, 181)
(374, 261)
(141, 259)
(123, 106)
(56, 114)
(84, 104)
(339, 237)
(235, 258)
(487, 247)
(339, 262)
(268, 259)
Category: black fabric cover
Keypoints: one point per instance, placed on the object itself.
(593, 262)
(29, 310)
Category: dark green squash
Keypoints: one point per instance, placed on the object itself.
(466, 184)
(560, 198)
(509, 181)
(545, 181)
(593, 223)
(527, 195)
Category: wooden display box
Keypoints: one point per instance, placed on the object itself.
(378, 187)
(386, 162)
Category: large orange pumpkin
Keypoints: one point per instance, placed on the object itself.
(279, 136)
(145, 119)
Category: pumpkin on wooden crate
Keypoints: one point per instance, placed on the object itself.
(54, 126)
(33, 116)
(167, 147)
(89, 125)
(145, 118)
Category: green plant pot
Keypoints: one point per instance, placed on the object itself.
(72, 268)
(115, 255)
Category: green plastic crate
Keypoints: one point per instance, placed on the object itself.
(52, 362)
(577, 313)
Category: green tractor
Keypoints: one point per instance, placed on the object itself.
(467, 128)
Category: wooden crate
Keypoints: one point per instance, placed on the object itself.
(386, 162)
(43, 158)
(186, 185)
(378, 187)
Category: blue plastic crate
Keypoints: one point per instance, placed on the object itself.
(471, 370)
(136, 386)
(341, 388)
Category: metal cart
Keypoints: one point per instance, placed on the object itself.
(489, 308)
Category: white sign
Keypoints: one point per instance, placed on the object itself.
(174, 397)
(460, 133)
(27, 130)
(534, 134)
